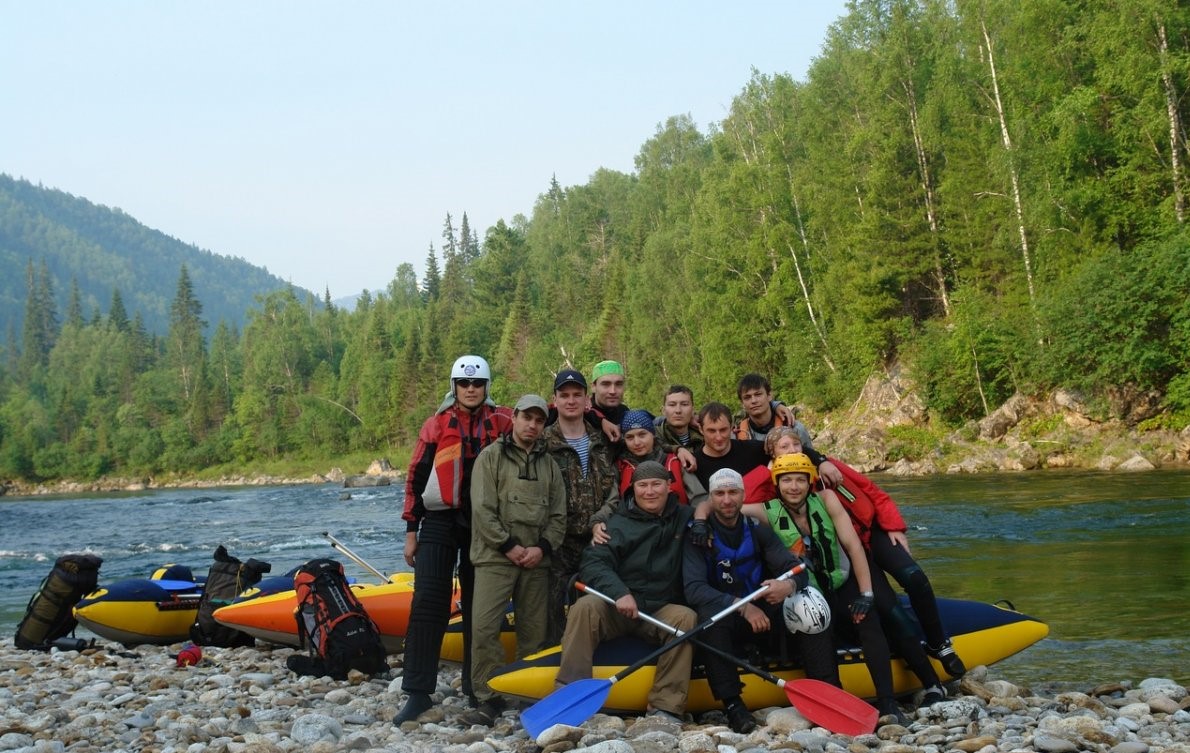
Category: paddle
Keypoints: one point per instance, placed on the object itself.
(577, 702)
(820, 702)
(341, 547)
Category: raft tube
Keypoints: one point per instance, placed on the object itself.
(141, 610)
(982, 634)
(271, 618)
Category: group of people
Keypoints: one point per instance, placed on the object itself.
(675, 517)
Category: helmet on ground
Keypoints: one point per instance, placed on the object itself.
(806, 612)
(795, 463)
(470, 367)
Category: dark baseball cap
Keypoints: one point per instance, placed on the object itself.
(569, 376)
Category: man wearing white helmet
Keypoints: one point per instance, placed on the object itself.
(438, 524)
(742, 557)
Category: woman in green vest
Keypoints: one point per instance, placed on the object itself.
(816, 527)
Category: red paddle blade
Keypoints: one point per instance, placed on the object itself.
(570, 704)
(831, 707)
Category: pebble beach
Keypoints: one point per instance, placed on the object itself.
(112, 699)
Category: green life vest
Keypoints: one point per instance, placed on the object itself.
(826, 556)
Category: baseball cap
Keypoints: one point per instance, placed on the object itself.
(569, 376)
(532, 401)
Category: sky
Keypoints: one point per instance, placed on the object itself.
(328, 141)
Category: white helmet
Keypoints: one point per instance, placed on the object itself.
(806, 612)
(470, 367)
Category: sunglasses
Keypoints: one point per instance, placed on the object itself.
(465, 383)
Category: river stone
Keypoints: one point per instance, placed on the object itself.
(15, 740)
(611, 746)
(1069, 727)
(311, 728)
(1163, 704)
(141, 720)
(1163, 685)
(697, 743)
(955, 709)
(262, 679)
(1051, 744)
(1082, 701)
(809, 740)
(558, 733)
(1130, 747)
(974, 744)
(782, 721)
(340, 696)
(1127, 724)
(1135, 710)
(1135, 463)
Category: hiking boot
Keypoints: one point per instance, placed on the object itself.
(416, 705)
(665, 716)
(888, 707)
(933, 694)
(950, 661)
(739, 718)
(485, 713)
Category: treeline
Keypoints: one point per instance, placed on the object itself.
(992, 192)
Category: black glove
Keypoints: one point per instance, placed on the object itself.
(700, 534)
(861, 606)
(801, 580)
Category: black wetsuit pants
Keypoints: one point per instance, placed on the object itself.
(443, 544)
(872, 638)
(816, 653)
(898, 563)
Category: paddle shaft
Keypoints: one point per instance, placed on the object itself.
(683, 637)
(678, 632)
(822, 703)
(341, 547)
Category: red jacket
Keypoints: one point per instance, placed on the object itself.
(868, 505)
(449, 441)
(672, 464)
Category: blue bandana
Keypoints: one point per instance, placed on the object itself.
(637, 419)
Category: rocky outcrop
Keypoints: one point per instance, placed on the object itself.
(1059, 430)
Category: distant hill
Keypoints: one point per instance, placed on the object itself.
(104, 249)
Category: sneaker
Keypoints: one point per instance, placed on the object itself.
(888, 707)
(950, 661)
(740, 719)
(415, 706)
(933, 694)
(663, 715)
(485, 713)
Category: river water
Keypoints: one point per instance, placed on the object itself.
(1104, 559)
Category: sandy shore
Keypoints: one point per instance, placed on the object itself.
(245, 701)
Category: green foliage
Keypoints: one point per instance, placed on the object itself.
(910, 442)
(1124, 318)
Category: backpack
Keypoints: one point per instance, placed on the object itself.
(332, 623)
(50, 614)
(225, 580)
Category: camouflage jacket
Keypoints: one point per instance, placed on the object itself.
(585, 495)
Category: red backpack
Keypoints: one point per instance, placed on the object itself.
(332, 623)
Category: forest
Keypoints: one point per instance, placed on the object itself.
(91, 250)
(991, 194)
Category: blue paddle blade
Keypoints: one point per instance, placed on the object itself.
(570, 704)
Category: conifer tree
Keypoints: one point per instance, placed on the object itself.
(185, 348)
(74, 310)
(433, 277)
(117, 316)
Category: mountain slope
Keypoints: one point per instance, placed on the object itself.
(105, 249)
